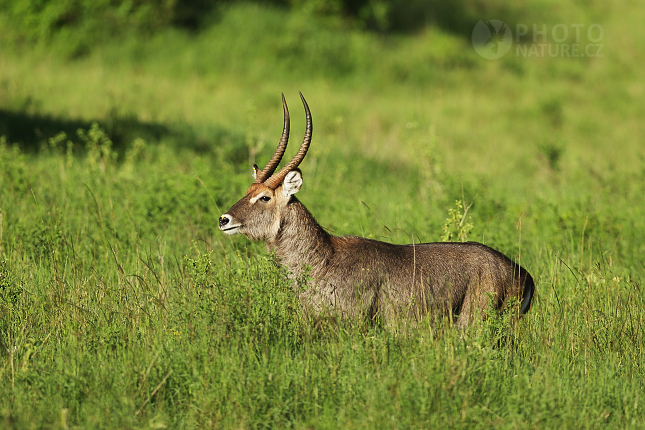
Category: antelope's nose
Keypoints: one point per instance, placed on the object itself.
(223, 220)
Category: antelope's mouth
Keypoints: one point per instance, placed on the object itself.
(230, 230)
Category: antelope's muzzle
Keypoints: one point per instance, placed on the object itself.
(228, 225)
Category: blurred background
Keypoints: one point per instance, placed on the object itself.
(388, 77)
(398, 83)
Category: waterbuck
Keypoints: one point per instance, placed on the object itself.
(357, 277)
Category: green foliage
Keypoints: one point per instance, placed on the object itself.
(92, 21)
(37, 20)
(456, 226)
(98, 147)
(10, 289)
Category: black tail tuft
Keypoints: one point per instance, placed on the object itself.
(527, 296)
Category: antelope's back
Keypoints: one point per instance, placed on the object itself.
(443, 272)
(460, 266)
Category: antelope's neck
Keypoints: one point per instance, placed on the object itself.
(301, 243)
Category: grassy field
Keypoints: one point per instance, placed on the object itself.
(123, 306)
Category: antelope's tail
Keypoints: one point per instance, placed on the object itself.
(527, 295)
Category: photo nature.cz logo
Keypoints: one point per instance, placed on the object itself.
(492, 39)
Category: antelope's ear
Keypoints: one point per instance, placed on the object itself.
(292, 183)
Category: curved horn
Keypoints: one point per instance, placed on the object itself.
(279, 152)
(274, 181)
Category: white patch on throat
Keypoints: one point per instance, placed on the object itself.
(275, 227)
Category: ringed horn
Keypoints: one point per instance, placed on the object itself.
(356, 277)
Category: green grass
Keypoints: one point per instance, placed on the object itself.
(123, 306)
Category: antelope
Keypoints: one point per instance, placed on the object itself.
(358, 277)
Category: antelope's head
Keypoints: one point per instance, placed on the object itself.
(257, 215)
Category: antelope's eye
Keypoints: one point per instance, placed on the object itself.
(265, 198)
